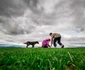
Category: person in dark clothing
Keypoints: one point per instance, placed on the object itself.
(55, 37)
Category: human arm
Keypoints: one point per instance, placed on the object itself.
(48, 44)
(51, 40)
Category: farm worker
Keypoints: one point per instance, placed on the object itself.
(55, 37)
(45, 43)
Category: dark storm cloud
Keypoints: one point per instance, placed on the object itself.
(33, 6)
(9, 10)
(78, 7)
(34, 19)
(4, 4)
(11, 7)
(31, 3)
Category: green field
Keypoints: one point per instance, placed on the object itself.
(42, 59)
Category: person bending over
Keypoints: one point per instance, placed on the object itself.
(45, 43)
(55, 37)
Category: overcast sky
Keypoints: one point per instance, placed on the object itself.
(23, 20)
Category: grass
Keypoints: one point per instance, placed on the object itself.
(42, 59)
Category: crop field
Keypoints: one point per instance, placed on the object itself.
(42, 58)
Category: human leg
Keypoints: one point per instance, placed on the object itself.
(59, 42)
(45, 46)
(54, 42)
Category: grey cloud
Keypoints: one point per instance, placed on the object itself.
(78, 12)
(33, 5)
(13, 13)
(11, 7)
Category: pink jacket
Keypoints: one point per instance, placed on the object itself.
(45, 43)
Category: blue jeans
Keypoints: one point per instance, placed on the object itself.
(58, 40)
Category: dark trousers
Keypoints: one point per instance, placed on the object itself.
(58, 40)
(45, 47)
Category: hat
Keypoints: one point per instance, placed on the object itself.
(48, 39)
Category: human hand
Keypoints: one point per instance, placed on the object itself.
(51, 45)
